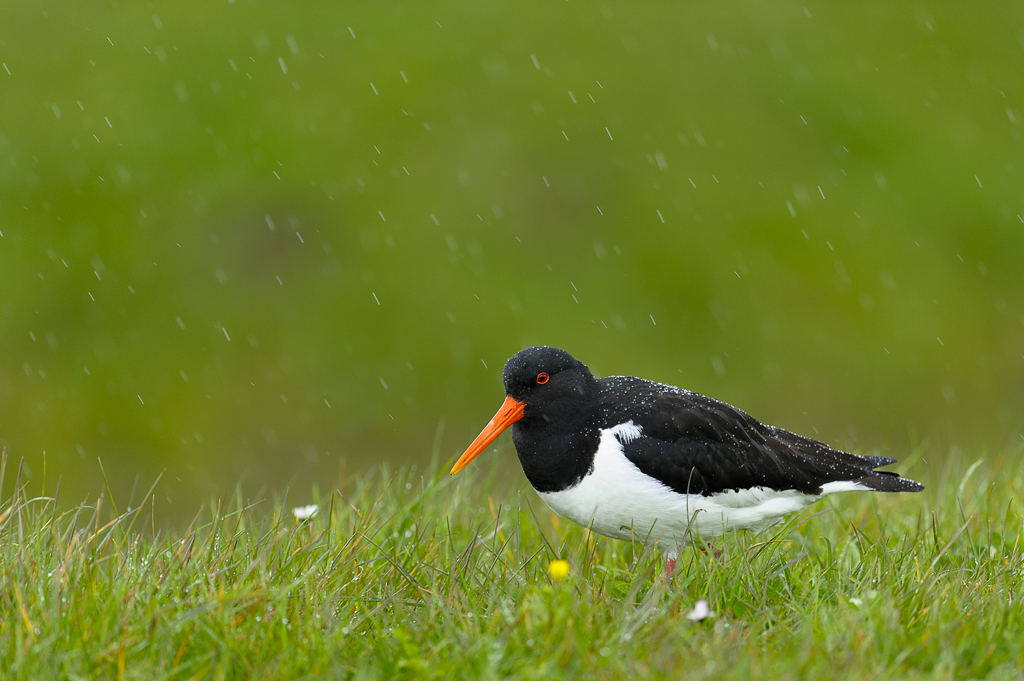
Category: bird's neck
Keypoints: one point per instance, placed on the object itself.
(555, 458)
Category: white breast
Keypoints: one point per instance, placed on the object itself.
(617, 500)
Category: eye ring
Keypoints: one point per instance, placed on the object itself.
(542, 378)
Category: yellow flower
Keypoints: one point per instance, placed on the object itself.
(559, 569)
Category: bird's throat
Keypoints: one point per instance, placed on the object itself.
(555, 458)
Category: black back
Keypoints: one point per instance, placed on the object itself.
(699, 445)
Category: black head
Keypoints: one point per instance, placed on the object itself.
(550, 405)
(547, 378)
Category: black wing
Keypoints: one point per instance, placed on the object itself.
(699, 445)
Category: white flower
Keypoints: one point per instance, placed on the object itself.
(304, 512)
(700, 612)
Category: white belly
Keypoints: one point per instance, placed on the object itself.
(619, 501)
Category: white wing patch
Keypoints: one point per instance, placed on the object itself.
(625, 432)
(844, 486)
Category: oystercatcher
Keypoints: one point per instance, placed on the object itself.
(633, 459)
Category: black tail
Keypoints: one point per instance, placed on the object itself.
(833, 465)
(887, 481)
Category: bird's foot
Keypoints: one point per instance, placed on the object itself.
(710, 550)
(670, 567)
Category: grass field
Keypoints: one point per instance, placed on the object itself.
(412, 574)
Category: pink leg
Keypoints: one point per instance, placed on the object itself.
(715, 553)
(670, 566)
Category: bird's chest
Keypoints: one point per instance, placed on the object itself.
(555, 459)
(614, 498)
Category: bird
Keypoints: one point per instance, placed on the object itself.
(637, 460)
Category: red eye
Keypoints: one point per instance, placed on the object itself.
(542, 378)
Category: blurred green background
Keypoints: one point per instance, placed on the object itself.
(281, 242)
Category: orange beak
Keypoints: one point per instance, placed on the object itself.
(510, 412)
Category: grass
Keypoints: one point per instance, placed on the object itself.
(403, 574)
